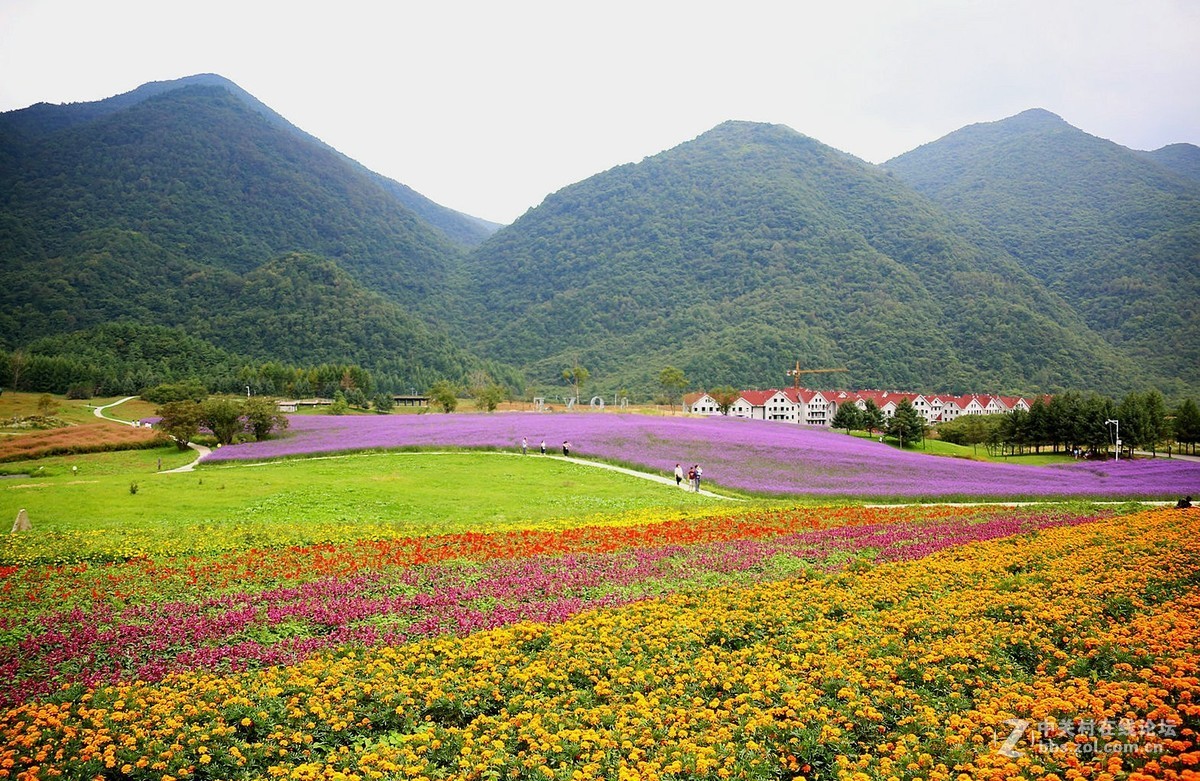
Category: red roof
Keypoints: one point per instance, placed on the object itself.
(757, 398)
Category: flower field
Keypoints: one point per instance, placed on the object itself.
(762, 457)
(818, 643)
(84, 438)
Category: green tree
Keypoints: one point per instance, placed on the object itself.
(1015, 429)
(445, 395)
(973, 430)
(356, 398)
(181, 421)
(1186, 425)
(223, 417)
(46, 405)
(978, 429)
(1068, 420)
(489, 396)
(1040, 430)
(17, 363)
(578, 377)
(1093, 411)
(1157, 428)
(1143, 418)
(177, 391)
(872, 417)
(262, 417)
(725, 397)
(673, 383)
(848, 416)
(906, 425)
(384, 403)
(339, 406)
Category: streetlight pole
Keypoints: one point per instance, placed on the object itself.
(1116, 424)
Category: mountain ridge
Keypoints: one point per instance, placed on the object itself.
(1114, 231)
(748, 208)
(187, 204)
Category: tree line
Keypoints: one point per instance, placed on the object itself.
(1089, 425)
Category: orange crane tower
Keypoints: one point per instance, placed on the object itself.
(797, 371)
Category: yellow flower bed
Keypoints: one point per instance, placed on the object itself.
(910, 670)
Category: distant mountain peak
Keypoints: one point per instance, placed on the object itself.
(1037, 114)
(1034, 120)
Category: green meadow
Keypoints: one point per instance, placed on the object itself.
(118, 504)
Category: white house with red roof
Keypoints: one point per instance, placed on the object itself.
(752, 404)
(972, 405)
(701, 404)
(813, 408)
(817, 408)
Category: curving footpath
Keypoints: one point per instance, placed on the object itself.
(99, 412)
(633, 472)
(201, 452)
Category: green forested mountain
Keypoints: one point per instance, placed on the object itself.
(190, 204)
(43, 119)
(735, 254)
(186, 218)
(1183, 159)
(1115, 233)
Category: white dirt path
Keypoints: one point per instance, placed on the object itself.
(201, 452)
(99, 411)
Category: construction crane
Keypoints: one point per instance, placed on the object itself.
(797, 371)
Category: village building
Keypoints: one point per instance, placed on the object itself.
(701, 404)
(817, 408)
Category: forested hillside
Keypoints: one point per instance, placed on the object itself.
(752, 246)
(1183, 159)
(1115, 233)
(1022, 256)
(194, 206)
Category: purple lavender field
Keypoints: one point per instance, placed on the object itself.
(763, 457)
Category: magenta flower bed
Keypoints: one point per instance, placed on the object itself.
(760, 456)
(241, 630)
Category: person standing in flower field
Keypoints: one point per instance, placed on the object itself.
(678, 475)
(524, 446)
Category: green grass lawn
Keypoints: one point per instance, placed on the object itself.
(936, 447)
(306, 500)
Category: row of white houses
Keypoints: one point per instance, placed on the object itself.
(817, 408)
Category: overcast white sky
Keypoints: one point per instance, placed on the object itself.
(487, 107)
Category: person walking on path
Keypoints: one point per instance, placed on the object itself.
(566, 448)
(524, 446)
(678, 475)
(699, 474)
(543, 447)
